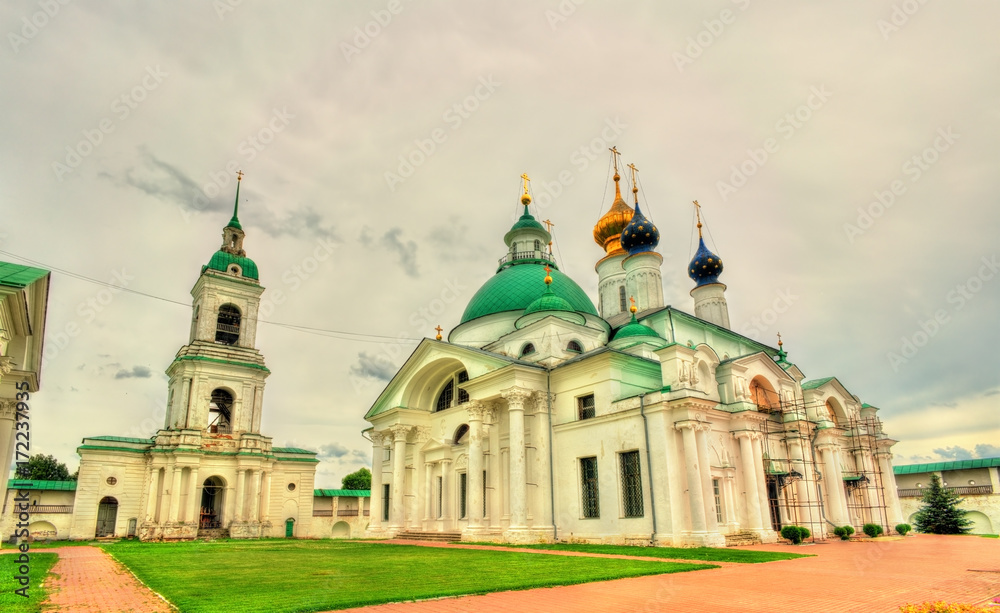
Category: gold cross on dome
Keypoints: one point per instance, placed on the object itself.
(439, 328)
(526, 178)
(239, 175)
(548, 225)
(635, 189)
(697, 212)
(547, 269)
(779, 340)
(614, 156)
(632, 300)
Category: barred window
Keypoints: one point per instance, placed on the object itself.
(527, 349)
(385, 502)
(631, 484)
(622, 299)
(574, 346)
(585, 406)
(463, 482)
(588, 478)
(718, 500)
(463, 396)
(447, 394)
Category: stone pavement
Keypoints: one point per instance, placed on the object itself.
(87, 580)
(843, 577)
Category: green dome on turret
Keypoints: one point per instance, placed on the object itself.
(634, 329)
(221, 261)
(516, 288)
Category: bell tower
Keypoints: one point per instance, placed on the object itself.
(217, 380)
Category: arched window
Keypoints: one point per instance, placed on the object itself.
(763, 395)
(575, 347)
(831, 411)
(220, 412)
(447, 395)
(527, 349)
(227, 327)
(460, 434)
(538, 245)
(622, 299)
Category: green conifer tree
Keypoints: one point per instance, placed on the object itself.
(940, 513)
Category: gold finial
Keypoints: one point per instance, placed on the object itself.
(239, 175)
(632, 308)
(548, 277)
(614, 158)
(526, 198)
(438, 328)
(635, 188)
(779, 340)
(697, 211)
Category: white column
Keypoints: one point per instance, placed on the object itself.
(445, 494)
(254, 495)
(241, 475)
(756, 441)
(798, 464)
(417, 491)
(399, 434)
(701, 438)
(495, 477)
(894, 511)
(428, 492)
(754, 512)
(375, 512)
(175, 494)
(193, 512)
(265, 497)
(728, 500)
(474, 479)
(516, 398)
(696, 498)
(834, 485)
(838, 461)
(540, 430)
(154, 494)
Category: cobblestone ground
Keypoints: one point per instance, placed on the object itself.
(87, 580)
(843, 577)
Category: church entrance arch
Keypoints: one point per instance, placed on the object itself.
(211, 504)
(107, 516)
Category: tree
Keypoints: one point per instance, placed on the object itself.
(43, 468)
(360, 480)
(940, 513)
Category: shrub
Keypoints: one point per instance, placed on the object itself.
(792, 533)
(844, 532)
(902, 529)
(872, 530)
(804, 533)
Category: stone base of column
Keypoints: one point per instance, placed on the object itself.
(524, 535)
(245, 530)
(381, 532)
(766, 535)
(177, 531)
(150, 531)
(701, 539)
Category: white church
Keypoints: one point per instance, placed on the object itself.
(543, 417)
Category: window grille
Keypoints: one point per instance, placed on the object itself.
(527, 349)
(585, 406)
(463, 396)
(718, 500)
(588, 477)
(631, 484)
(622, 299)
(574, 346)
(462, 485)
(447, 394)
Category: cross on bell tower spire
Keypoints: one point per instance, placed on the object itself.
(232, 234)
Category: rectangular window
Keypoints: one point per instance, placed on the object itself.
(718, 500)
(484, 494)
(631, 484)
(588, 482)
(622, 300)
(385, 502)
(440, 497)
(462, 484)
(585, 406)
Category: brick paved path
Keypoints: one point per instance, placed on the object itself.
(87, 580)
(843, 577)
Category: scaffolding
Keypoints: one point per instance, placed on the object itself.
(864, 485)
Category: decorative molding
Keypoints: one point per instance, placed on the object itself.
(516, 397)
(400, 432)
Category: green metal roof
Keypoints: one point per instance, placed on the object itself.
(526, 221)
(634, 328)
(814, 383)
(221, 260)
(122, 439)
(852, 477)
(909, 469)
(16, 275)
(548, 302)
(332, 493)
(292, 450)
(516, 287)
(30, 484)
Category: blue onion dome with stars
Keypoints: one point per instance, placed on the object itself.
(706, 267)
(640, 234)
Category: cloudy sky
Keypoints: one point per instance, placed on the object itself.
(845, 155)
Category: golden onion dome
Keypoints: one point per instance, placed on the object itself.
(608, 230)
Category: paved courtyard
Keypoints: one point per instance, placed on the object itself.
(855, 576)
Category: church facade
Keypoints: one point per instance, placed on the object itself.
(543, 417)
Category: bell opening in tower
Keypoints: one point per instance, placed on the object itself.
(220, 412)
(227, 330)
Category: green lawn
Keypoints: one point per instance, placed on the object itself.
(301, 576)
(704, 554)
(39, 567)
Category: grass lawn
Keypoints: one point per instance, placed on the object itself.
(39, 568)
(704, 554)
(300, 576)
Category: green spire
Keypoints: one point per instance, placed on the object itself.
(235, 222)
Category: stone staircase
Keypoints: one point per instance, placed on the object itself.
(437, 537)
(211, 534)
(744, 537)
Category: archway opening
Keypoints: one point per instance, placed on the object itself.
(341, 530)
(289, 528)
(211, 504)
(220, 412)
(227, 326)
(763, 395)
